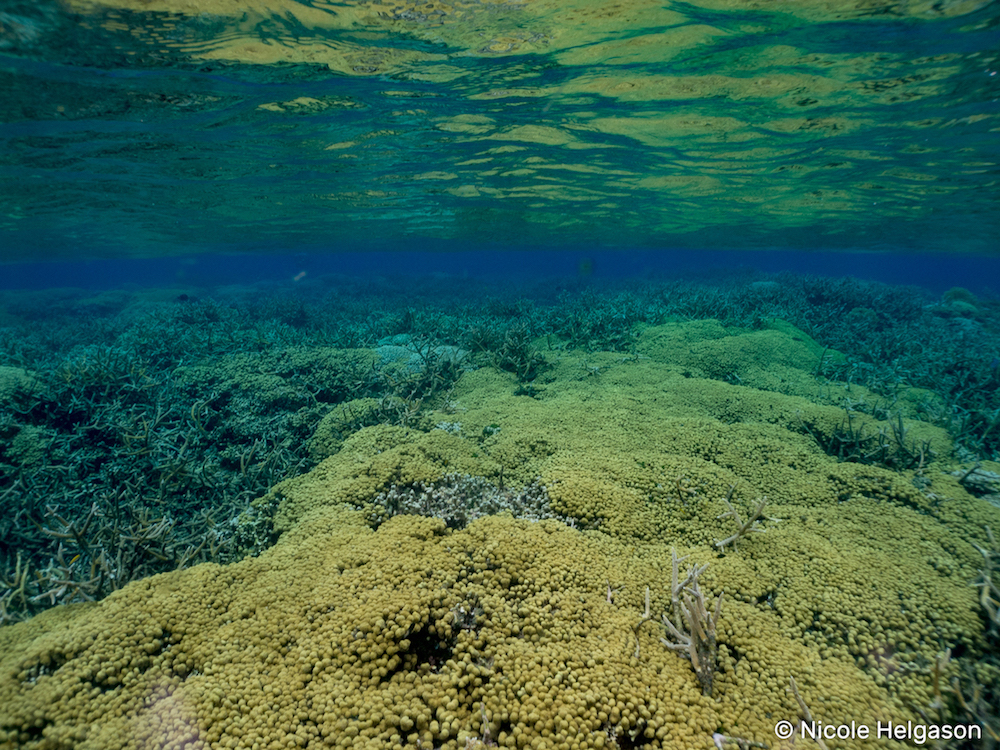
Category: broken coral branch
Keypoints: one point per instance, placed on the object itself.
(693, 629)
(744, 528)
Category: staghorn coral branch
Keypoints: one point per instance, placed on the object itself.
(744, 528)
(989, 594)
(804, 711)
(646, 616)
(693, 629)
(677, 586)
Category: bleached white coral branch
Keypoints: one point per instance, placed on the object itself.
(693, 629)
(744, 528)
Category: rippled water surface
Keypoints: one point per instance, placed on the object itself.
(152, 127)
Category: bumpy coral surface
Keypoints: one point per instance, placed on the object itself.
(532, 634)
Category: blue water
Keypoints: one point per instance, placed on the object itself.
(934, 273)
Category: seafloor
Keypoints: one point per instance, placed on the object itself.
(426, 514)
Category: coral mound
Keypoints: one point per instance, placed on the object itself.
(406, 633)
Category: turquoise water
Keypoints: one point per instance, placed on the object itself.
(141, 129)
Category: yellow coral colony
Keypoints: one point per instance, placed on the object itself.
(531, 634)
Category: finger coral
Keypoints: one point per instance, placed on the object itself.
(455, 626)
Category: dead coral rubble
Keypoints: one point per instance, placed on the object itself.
(459, 499)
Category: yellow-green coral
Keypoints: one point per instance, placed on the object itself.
(526, 634)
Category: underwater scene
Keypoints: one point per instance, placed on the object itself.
(460, 374)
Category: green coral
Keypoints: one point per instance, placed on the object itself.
(349, 417)
(527, 634)
(26, 448)
(254, 528)
(16, 382)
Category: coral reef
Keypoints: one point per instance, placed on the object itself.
(697, 629)
(514, 579)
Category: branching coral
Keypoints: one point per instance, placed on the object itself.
(743, 528)
(989, 590)
(693, 628)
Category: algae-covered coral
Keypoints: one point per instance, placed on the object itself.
(357, 629)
